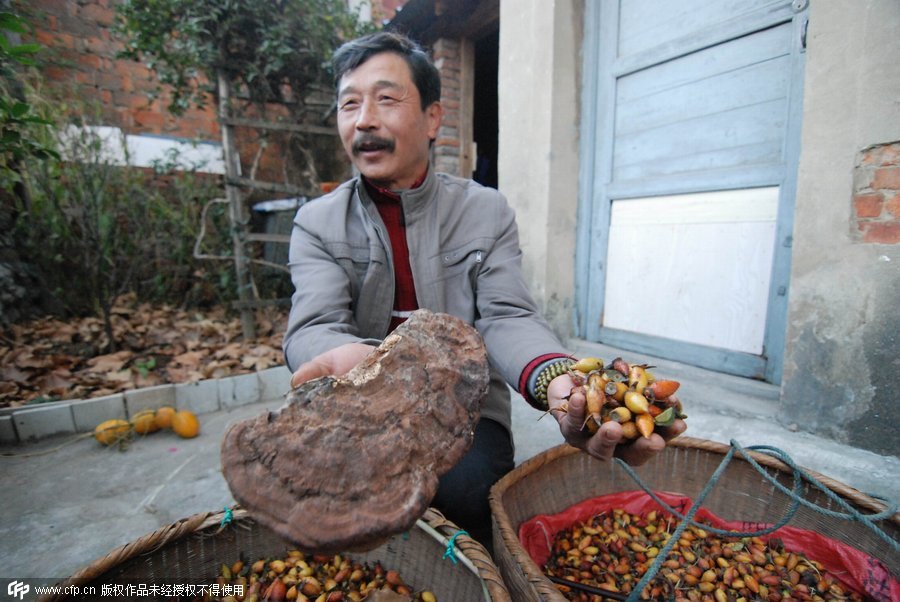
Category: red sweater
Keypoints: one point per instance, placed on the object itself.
(391, 211)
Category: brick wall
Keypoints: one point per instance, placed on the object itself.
(446, 56)
(80, 51)
(876, 197)
(80, 63)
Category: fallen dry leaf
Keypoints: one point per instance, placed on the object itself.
(12, 374)
(49, 358)
(111, 362)
(25, 360)
(121, 376)
(191, 359)
(258, 363)
(56, 380)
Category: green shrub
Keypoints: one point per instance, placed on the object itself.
(95, 229)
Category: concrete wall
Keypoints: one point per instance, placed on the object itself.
(539, 87)
(842, 366)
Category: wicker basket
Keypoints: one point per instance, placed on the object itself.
(563, 476)
(195, 548)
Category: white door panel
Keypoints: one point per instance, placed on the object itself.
(694, 268)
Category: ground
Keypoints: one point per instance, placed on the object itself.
(51, 359)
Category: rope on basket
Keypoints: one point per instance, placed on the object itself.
(794, 494)
(450, 552)
(449, 543)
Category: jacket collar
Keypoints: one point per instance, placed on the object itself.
(414, 200)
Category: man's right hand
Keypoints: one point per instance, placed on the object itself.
(335, 362)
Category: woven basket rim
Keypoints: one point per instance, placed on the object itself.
(509, 534)
(470, 552)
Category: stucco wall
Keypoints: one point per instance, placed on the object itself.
(539, 84)
(842, 366)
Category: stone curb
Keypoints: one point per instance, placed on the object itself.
(25, 424)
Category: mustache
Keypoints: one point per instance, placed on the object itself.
(365, 142)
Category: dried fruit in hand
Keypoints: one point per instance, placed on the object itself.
(588, 364)
(620, 415)
(625, 393)
(665, 418)
(636, 402)
(644, 423)
(637, 378)
(661, 389)
(629, 430)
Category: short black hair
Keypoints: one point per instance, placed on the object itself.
(354, 53)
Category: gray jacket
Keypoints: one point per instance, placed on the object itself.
(466, 261)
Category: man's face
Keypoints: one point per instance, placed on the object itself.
(381, 122)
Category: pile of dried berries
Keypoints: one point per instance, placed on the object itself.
(627, 393)
(615, 549)
(311, 578)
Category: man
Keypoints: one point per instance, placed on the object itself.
(401, 237)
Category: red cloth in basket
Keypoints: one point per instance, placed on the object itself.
(854, 568)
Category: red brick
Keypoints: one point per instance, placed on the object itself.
(57, 74)
(138, 102)
(100, 14)
(126, 84)
(887, 233)
(867, 204)
(891, 154)
(882, 154)
(892, 204)
(45, 38)
(149, 119)
(90, 61)
(131, 68)
(97, 45)
(887, 178)
(86, 78)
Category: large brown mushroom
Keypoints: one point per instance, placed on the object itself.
(350, 461)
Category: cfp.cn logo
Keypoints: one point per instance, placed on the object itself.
(17, 589)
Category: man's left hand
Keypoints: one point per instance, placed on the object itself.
(609, 440)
